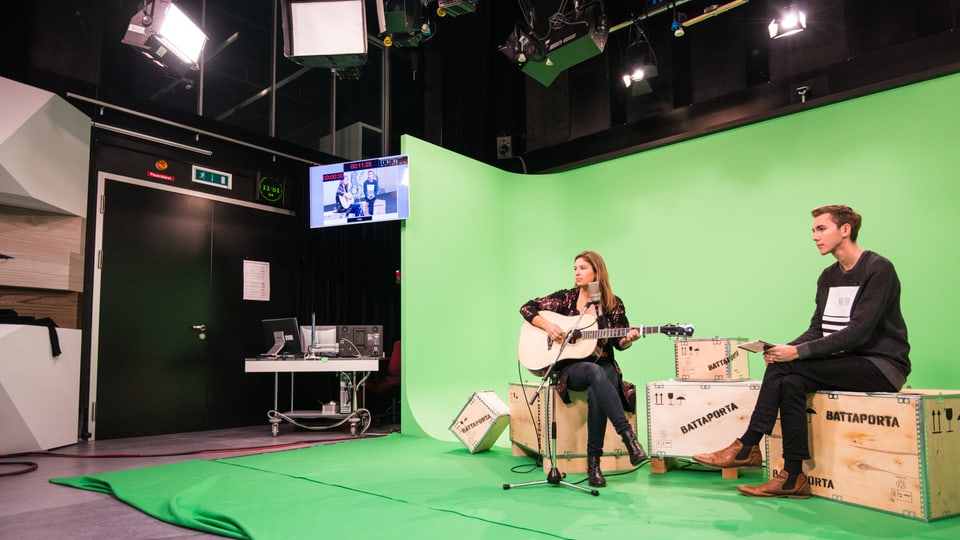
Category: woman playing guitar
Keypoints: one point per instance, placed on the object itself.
(598, 373)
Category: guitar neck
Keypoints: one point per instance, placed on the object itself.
(620, 332)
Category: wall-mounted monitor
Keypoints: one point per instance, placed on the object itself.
(364, 191)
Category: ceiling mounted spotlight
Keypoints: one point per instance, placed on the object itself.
(676, 28)
(454, 8)
(640, 64)
(793, 20)
(677, 25)
(519, 47)
(161, 28)
(544, 48)
(403, 23)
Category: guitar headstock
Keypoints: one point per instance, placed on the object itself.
(682, 330)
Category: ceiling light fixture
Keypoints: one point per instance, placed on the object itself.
(454, 8)
(640, 63)
(161, 28)
(403, 23)
(792, 21)
(676, 27)
(544, 48)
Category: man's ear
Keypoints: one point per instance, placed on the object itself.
(845, 230)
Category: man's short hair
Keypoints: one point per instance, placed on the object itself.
(840, 214)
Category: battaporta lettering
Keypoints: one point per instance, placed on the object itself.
(863, 418)
(723, 361)
(709, 417)
(475, 423)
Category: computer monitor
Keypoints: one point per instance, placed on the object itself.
(282, 337)
(319, 340)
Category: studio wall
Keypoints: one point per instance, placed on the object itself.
(714, 232)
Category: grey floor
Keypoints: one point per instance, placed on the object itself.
(33, 508)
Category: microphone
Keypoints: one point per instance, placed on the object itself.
(594, 289)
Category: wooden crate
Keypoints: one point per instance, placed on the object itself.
(686, 418)
(711, 359)
(527, 430)
(481, 421)
(891, 452)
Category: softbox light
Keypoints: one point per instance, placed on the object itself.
(325, 33)
(166, 35)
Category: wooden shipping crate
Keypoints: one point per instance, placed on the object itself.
(527, 433)
(481, 421)
(893, 452)
(711, 359)
(687, 418)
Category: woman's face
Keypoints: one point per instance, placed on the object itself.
(583, 272)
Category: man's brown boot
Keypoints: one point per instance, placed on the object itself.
(774, 488)
(727, 458)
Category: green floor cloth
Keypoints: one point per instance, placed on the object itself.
(408, 487)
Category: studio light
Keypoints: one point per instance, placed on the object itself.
(403, 23)
(520, 47)
(792, 21)
(454, 8)
(676, 26)
(325, 33)
(164, 33)
(640, 65)
(569, 39)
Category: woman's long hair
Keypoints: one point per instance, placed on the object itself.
(600, 269)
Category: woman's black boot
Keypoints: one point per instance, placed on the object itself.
(637, 454)
(594, 476)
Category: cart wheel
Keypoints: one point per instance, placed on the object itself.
(275, 429)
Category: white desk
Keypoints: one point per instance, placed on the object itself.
(333, 365)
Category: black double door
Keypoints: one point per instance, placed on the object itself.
(173, 326)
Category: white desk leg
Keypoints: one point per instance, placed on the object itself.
(275, 420)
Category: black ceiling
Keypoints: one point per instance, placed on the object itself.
(457, 90)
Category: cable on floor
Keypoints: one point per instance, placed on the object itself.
(28, 466)
(31, 466)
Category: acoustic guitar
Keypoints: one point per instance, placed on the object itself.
(537, 351)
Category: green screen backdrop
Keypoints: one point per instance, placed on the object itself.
(713, 231)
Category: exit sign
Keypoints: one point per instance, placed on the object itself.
(212, 177)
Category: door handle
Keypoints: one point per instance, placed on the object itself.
(202, 329)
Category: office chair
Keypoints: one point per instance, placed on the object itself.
(386, 390)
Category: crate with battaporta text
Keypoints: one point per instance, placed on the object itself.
(687, 418)
(711, 359)
(895, 452)
(528, 433)
(481, 421)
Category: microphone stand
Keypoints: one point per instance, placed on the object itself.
(554, 477)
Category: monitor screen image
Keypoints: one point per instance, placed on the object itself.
(360, 192)
(282, 337)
